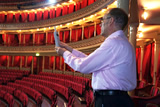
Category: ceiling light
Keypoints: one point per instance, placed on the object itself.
(145, 15)
(140, 35)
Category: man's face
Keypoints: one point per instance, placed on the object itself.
(105, 25)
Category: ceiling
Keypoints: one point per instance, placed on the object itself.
(150, 21)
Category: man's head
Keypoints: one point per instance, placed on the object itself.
(115, 19)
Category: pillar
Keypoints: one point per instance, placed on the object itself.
(132, 34)
(156, 53)
(142, 53)
(124, 4)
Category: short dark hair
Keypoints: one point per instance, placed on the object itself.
(120, 16)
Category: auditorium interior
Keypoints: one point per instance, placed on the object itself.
(32, 74)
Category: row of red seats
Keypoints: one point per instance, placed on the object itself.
(75, 86)
(89, 97)
(148, 94)
(57, 87)
(3, 80)
(17, 93)
(76, 79)
(7, 97)
(24, 72)
(22, 97)
(9, 77)
(31, 92)
(42, 89)
(17, 74)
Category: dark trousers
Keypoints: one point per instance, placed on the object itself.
(119, 100)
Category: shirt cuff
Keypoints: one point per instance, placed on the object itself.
(65, 54)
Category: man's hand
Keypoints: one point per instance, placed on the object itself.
(60, 50)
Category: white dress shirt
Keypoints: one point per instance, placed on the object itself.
(113, 64)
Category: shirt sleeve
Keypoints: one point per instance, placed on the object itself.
(97, 60)
(78, 53)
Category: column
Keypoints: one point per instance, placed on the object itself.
(43, 63)
(8, 61)
(32, 65)
(95, 25)
(33, 39)
(124, 4)
(70, 37)
(82, 32)
(46, 38)
(142, 53)
(20, 39)
(132, 34)
(20, 62)
(156, 53)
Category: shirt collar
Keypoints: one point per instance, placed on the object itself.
(116, 33)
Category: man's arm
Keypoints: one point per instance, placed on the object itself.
(70, 49)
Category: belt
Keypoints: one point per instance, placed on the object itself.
(109, 92)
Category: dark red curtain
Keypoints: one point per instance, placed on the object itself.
(36, 41)
(45, 15)
(46, 62)
(10, 60)
(158, 66)
(73, 36)
(71, 8)
(10, 39)
(65, 10)
(90, 2)
(16, 61)
(83, 3)
(79, 34)
(31, 16)
(58, 11)
(98, 30)
(86, 33)
(29, 61)
(138, 61)
(146, 65)
(66, 35)
(17, 16)
(52, 13)
(40, 58)
(24, 16)
(9, 17)
(2, 17)
(57, 64)
(5, 38)
(91, 31)
(152, 60)
(77, 6)
(51, 62)
(42, 39)
(1, 40)
(39, 15)
(23, 61)
(50, 38)
(3, 60)
(61, 36)
(28, 39)
(34, 62)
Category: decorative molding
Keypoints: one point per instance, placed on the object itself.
(96, 6)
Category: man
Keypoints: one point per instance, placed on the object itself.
(113, 64)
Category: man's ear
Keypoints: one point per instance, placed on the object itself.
(111, 20)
